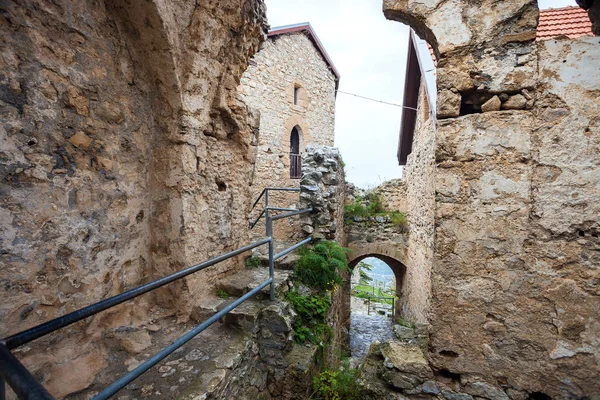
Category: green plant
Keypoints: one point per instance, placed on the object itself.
(363, 268)
(337, 385)
(398, 218)
(311, 321)
(222, 294)
(320, 266)
(355, 209)
(253, 262)
(375, 203)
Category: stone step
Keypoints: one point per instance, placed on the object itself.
(247, 279)
(222, 362)
(286, 262)
(199, 369)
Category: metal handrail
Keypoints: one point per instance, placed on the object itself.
(161, 355)
(30, 334)
(267, 208)
(290, 249)
(291, 214)
(393, 305)
(13, 372)
(275, 189)
(253, 224)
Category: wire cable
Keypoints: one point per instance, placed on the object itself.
(378, 101)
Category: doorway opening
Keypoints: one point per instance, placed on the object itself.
(373, 303)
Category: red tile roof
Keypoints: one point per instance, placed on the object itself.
(569, 21)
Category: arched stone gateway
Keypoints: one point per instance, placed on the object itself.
(393, 254)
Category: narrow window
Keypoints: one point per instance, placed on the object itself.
(296, 94)
(295, 157)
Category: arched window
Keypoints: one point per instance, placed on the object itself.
(295, 158)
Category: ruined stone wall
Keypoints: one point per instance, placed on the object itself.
(125, 156)
(514, 301)
(283, 63)
(323, 188)
(419, 175)
(393, 194)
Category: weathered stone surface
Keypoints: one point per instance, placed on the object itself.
(404, 333)
(244, 281)
(406, 358)
(120, 125)
(448, 104)
(516, 102)
(325, 195)
(485, 390)
(449, 395)
(492, 104)
(133, 341)
(515, 196)
(430, 387)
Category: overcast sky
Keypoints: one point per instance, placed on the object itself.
(370, 54)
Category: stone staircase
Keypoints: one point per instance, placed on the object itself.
(250, 354)
(285, 263)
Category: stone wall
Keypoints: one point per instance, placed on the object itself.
(393, 195)
(125, 155)
(283, 63)
(323, 188)
(419, 175)
(514, 299)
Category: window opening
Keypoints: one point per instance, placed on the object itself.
(296, 94)
(295, 158)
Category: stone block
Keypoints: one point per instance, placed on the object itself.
(483, 389)
(516, 102)
(448, 104)
(406, 358)
(492, 104)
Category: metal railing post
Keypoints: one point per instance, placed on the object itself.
(269, 232)
(271, 256)
(267, 215)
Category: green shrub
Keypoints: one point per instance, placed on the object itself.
(320, 266)
(373, 208)
(375, 204)
(337, 385)
(253, 262)
(398, 219)
(222, 294)
(355, 209)
(311, 321)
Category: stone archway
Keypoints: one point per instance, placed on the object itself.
(393, 254)
(397, 268)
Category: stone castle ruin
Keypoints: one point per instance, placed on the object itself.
(135, 136)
